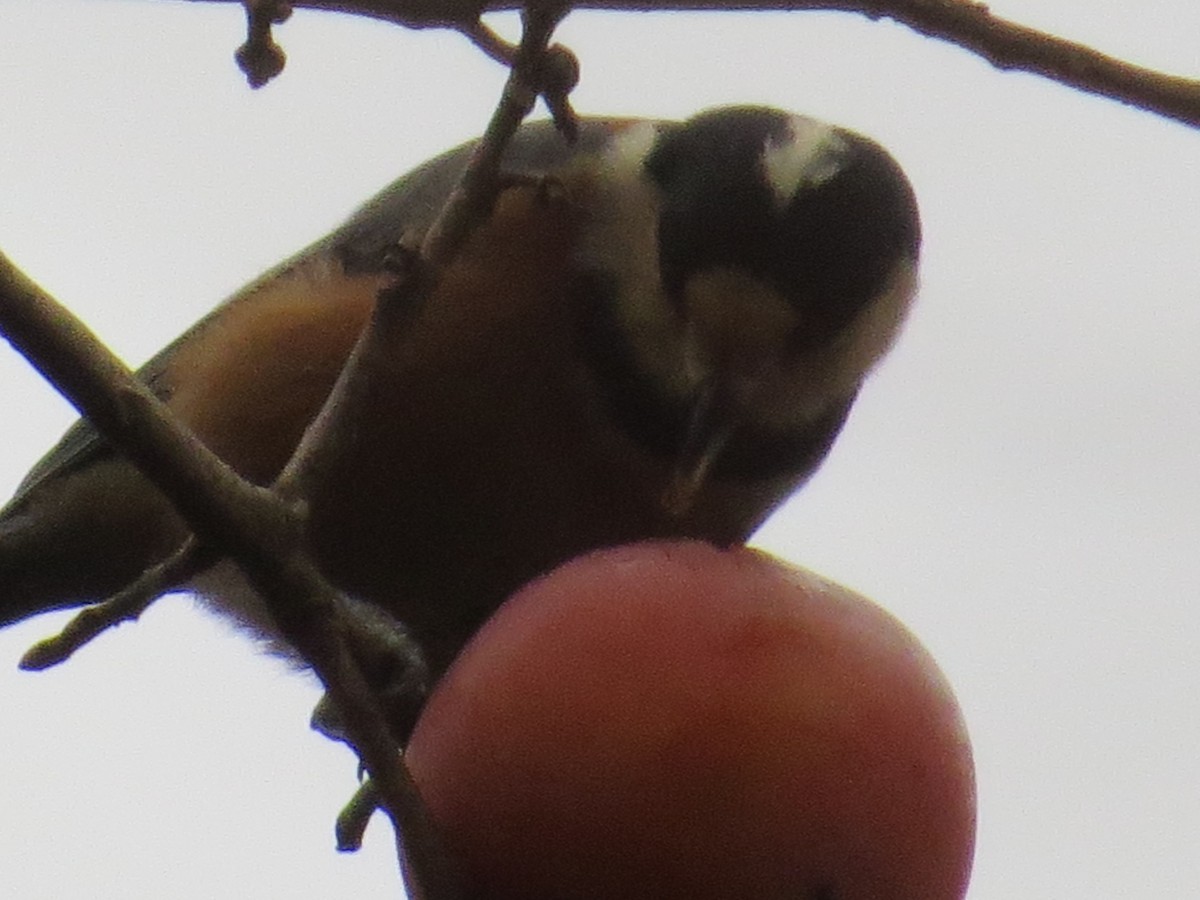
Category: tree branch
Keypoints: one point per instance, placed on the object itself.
(536, 69)
(255, 526)
(229, 514)
(966, 23)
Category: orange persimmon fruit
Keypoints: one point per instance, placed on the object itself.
(671, 720)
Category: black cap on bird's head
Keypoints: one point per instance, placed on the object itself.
(819, 214)
(785, 260)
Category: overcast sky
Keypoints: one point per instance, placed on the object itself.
(1018, 483)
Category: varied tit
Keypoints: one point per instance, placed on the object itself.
(658, 332)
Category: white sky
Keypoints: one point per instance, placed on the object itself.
(1018, 483)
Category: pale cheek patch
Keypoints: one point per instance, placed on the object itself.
(849, 359)
(741, 325)
(876, 329)
(806, 387)
(621, 241)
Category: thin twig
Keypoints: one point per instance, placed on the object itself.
(260, 58)
(352, 820)
(536, 69)
(125, 606)
(966, 23)
(472, 198)
(489, 42)
(1009, 45)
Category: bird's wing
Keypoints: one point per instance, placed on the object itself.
(406, 206)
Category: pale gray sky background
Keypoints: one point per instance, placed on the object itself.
(1019, 483)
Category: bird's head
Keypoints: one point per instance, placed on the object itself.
(752, 266)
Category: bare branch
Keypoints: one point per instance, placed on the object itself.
(124, 606)
(967, 23)
(352, 820)
(254, 526)
(533, 72)
(1008, 45)
(231, 515)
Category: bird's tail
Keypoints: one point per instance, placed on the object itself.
(81, 538)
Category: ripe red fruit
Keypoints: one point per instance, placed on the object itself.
(677, 721)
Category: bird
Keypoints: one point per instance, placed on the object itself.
(658, 331)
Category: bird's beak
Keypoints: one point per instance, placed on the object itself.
(709, 428)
